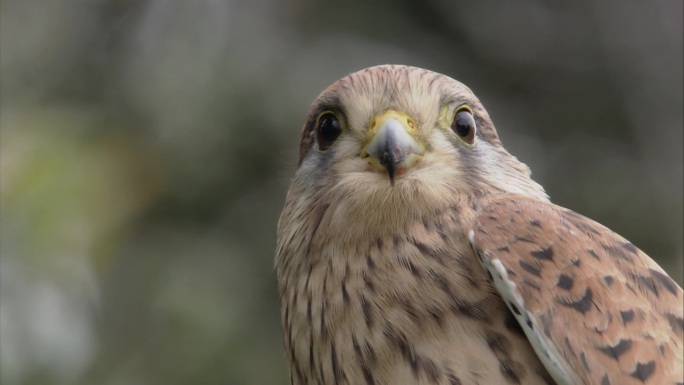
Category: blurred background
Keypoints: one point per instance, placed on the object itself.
(146, 148)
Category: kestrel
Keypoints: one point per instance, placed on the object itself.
(414, 249)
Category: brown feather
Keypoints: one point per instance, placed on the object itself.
(608, 308)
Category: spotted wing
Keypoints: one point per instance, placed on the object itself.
(596, 309)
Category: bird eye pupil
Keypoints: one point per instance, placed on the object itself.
(464, 126)
(328, 130)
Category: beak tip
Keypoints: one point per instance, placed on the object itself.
(391, 173)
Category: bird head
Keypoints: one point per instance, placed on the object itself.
(403, 137)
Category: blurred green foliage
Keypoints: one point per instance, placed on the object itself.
(146, 148)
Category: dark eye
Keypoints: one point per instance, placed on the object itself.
(327, 130)
(464, 125)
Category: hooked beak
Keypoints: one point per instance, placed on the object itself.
(391, 146)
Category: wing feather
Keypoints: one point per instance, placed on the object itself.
(596, 309)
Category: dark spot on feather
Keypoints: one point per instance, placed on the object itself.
(528, 321)
(565, 282)
(593, 254)
(368, 375)
(319, 217)
(409, 354)
(415, 271)
(466, 271)
(474, 310)
(615, 351)
(581, 223)
(392, 336)
(608, 279)
(514, 308)
(582, 305)
(523, 239)
(370, 262)
(544, 253)
(440, 230)
(534, 270)
(345, 293)
(583, 358)
(409, 309)
(546, 377)
(504, 248)
(368, 283)
(436, 313)
(512, 371)
(618, 252)
(665, 281)
(489, 273)
(676, 323)
(605, 380)
(335, 366)
(513, 325)
(627, 316)
(536, 223)
(546, 324)
(308, 278)
(308, 310)
(357, 349)
(425, 250)
(430, 369)
(569, 346)
(453, 380)
(372, 357)
(367, 311)
(395, 240)
(443, 284)
(644, 370)
(646, 282)
(498, 343)
(630, 247)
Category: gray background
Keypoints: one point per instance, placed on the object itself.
(147, 147)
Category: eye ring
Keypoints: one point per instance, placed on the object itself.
(328, 129)
(464, 125)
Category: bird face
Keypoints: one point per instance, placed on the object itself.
(397, 134)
